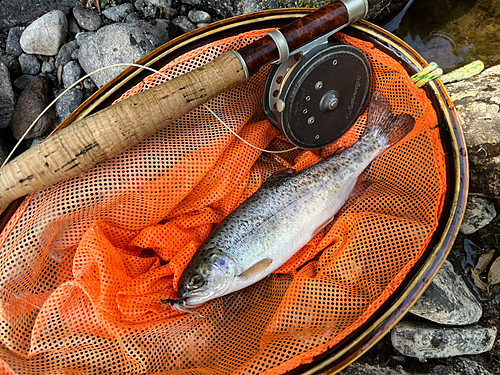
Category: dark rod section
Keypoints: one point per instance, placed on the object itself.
(297, 33)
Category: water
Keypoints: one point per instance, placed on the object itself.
(451, 33)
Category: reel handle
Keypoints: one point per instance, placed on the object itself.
(328, 19)
(105, 134)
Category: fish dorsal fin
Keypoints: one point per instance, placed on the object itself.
(257, 269)
(278, 176)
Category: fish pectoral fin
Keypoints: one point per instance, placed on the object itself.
(256, 270)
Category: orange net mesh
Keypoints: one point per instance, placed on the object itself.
(85, 263)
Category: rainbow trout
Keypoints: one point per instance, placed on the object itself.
(281, 217)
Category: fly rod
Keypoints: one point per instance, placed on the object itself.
(105, 134)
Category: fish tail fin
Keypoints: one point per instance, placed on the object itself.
(388, 128)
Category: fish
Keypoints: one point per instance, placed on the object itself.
(268, 228)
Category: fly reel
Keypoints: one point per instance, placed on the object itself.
(316, 96)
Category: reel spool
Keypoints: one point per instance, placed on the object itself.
(316, 96)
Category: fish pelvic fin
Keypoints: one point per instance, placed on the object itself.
(257, 269)
(384, 125)
(180, 305)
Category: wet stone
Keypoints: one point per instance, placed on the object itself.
(22, 81)
(479, 212)
(73, 26)
(118, 13)
(7, 99)
(68, 103)
(183, 24)
(13, 46)
(87, 19)
(448, 300)
(426, 340)
(29, 64)
(31, 103)
(199, 16)
(45, 35)
(71, 73)
(64, 55)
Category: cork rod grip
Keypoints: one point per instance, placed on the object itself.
(110, 131)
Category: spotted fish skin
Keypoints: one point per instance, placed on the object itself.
(281, 217)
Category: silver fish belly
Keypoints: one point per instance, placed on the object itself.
(280, 218)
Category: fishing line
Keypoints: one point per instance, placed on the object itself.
(128, 65)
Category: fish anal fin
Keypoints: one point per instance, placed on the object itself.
(257, 269)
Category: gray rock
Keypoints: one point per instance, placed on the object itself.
(64, 54)
(199, 16)
(159, 3)
(87, 19)
(120, 43)
(16, 12)
(477, 101)
(73, 26)
(151, 12)
(139, 5)
(74, 54)
(478, 213)
(118, 13)
(4, 151)
(22, 81)
(48, 66)
(365, 369)
(425, 340)
(184, 24)
(80, 37)
(201, 24)
(68, 103)
(71, 73)
(14, 41)
(31, 103)
(46, 35)
(88, 84)
(192, 2)
(12, 63)
(29, 64)
(7, 99)
(218, 9)
(133, 18)
(249, 6)
(448, 300)
(454, 366)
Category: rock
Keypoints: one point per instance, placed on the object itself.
(159, 3)
(217, 8)
(12, 63)
(151, 12)
(48, 66)
(87, 19)
(73, 26)
(478, 213)
(13, 46)
(64, 54)
(425, 340)
(7, 99)
(22, 81)
(249, 6)
(139, 5)
(183, 24)
(88, 84)
(46, 35)
(199, 16)
(477, 101)
(118, 13)
(4, 151)
(16, 12)
(120, 43)
(365, 369)
(71, 73)
(68, 103)
(80, 37)
(454, 366)
(31, 103)
(133, 18)
(201, 24)
(29, 64)
(448, 300)
(192, 2)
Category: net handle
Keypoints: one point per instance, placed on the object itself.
(97, 138)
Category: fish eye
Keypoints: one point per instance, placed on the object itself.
(197, 281)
